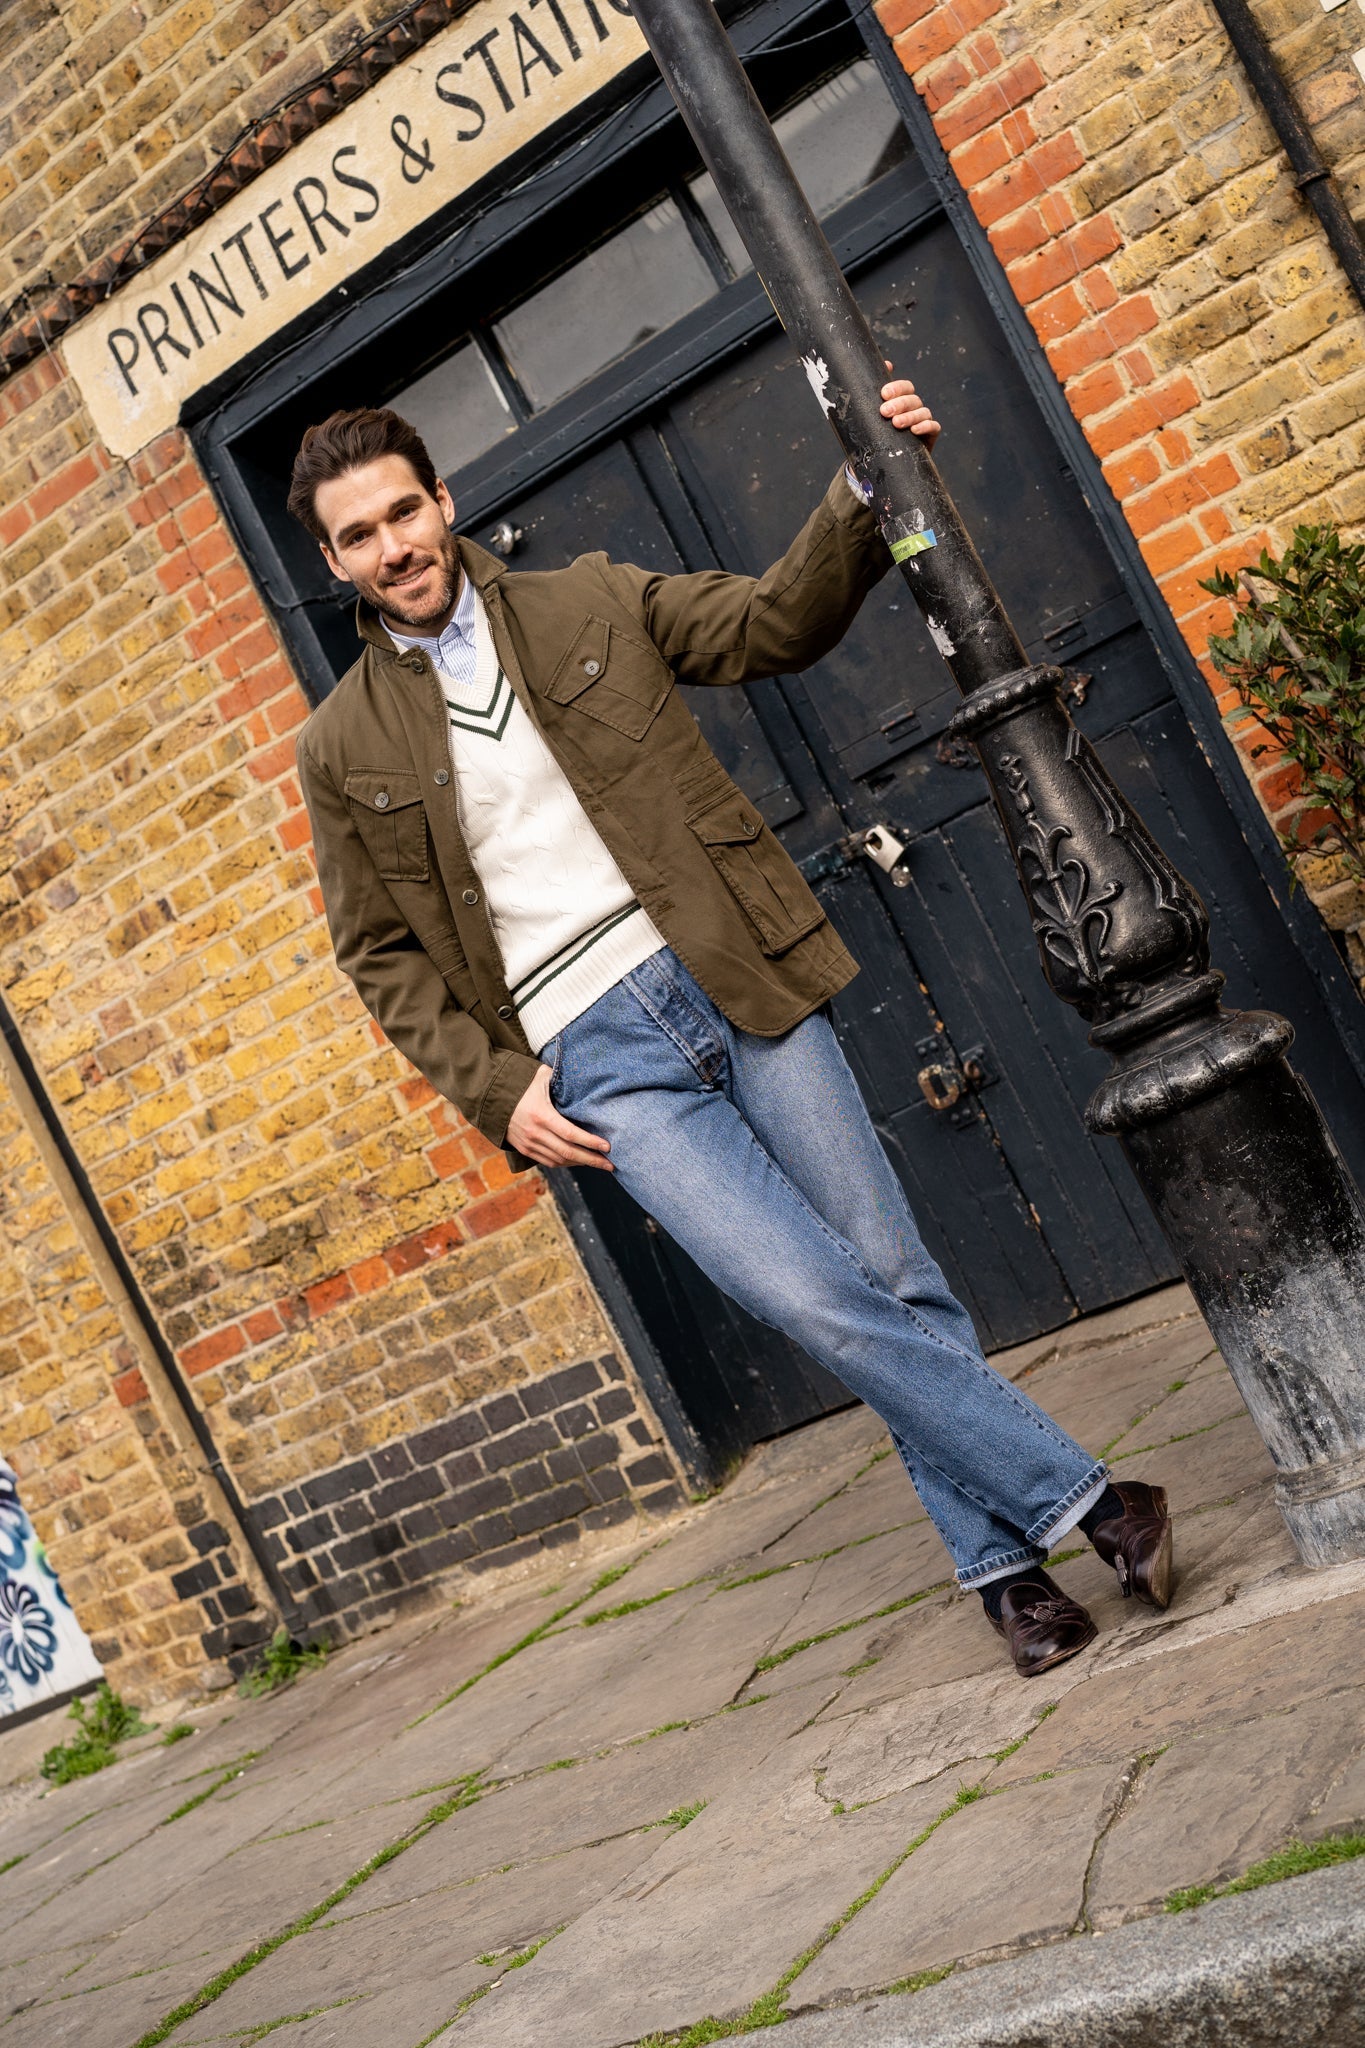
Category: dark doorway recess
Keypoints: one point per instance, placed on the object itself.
(599, 368)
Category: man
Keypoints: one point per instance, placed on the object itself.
(560, 908)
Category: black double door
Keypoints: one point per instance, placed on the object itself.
(1033, 1221)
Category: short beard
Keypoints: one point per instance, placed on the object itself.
(389, 605)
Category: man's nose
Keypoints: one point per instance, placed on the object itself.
(392, 546)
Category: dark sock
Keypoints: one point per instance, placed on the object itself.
(994, 1591)
(1107, 1508)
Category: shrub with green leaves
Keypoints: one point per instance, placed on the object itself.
(280, 1664)
(103, 1720)
(1296, 657)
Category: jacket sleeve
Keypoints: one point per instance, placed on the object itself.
(718, 628)
(396, 980)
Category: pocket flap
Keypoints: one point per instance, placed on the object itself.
(733, 820)
(584, 664)
(383, 789)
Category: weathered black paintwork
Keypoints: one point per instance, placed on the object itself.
(1250, 1191)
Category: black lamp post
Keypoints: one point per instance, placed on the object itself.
(1225, 1140)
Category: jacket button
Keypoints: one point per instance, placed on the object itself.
(749, 828)
(592, 668)
(443, 776)
(504, 1009)
(381, 802)
(415, 661)
(471, 895)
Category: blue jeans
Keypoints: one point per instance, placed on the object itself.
(758, 1156)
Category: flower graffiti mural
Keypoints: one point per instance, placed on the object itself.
(43, 1650)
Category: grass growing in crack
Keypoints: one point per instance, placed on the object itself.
(177, 1732)
(563, 1763)
(102, 1720)
(682, 1816)
(771, 2009)
(754, 1700)
(225, 1777)
(282, 1661)
(467, 1795)
(1296, 1859)
(11, 1863)
(771, 1662)
(292, 2019)
(921, 1980)
(599, 1585)
(629, 1606)
(526, 1955)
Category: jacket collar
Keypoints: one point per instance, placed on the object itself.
(482, 569)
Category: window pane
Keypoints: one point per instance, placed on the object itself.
(839, 138)
(457, 408)
(631, 288)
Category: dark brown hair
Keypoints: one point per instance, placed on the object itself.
(346, 441)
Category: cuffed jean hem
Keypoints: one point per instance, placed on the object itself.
(1069, 1510)
(1060, 1522)
(978, 1575)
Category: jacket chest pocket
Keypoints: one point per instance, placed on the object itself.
(614, 679)
(391, 818)
(758, 874)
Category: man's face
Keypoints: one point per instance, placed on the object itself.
(388, 536)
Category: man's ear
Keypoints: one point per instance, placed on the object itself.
(333, 564)
(445, 501)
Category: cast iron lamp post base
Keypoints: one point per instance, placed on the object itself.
(1227, 1144)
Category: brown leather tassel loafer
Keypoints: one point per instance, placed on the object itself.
(1041, 1625)
(1138, 1543)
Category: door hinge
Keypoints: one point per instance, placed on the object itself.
(877, 843)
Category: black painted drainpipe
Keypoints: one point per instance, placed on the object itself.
(141, 1307)
(1311, 174)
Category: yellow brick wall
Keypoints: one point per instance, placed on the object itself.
(114, 1491)
(335, 1258)
(1184, 292)
(111, 108)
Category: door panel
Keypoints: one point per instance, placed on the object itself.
(736, 1379)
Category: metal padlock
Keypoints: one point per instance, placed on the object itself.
(881, 845)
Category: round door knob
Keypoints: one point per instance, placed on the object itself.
(381, 802)
(505, 538)
(471, 895)
(443, 776)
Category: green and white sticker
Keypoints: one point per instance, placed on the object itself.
(913, 544)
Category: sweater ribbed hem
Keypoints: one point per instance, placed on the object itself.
(586, 975)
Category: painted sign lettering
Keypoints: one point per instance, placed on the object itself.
(491, 82)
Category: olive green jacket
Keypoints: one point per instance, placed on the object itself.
(593, 652)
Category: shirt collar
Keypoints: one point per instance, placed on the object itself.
(460, 630)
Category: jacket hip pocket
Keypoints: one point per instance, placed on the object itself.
(386, 804)
(758, 873)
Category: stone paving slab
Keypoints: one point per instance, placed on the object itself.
(710, 1921)
(1178, 1826)
(738, 1781)
(432, 1940)
(1009, 1868)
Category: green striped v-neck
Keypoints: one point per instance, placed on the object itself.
(533, 984)
(489, 719)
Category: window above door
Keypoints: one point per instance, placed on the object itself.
(674, 254)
